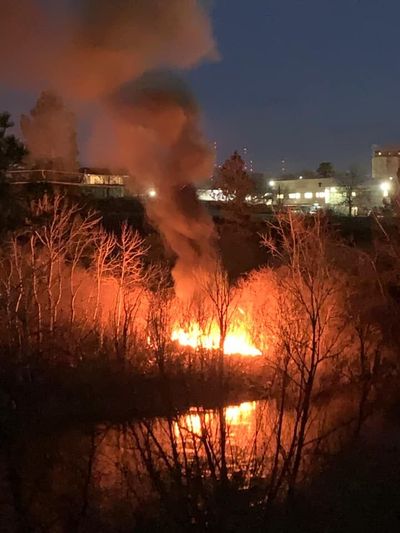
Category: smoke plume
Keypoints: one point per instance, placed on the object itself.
(104, 52)
(89, 48)
(156, 126)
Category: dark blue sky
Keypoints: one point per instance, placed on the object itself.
(307, 80)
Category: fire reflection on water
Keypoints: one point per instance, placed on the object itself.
(236, 417)
(135, 465)
(189, 435)
(197, 443)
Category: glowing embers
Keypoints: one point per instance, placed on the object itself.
(237, 340)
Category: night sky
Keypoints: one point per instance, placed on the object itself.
(307, 80)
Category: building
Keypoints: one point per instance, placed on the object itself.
(103, 183)
(102, 177)
(100, 183)
(308, 193)
(340, 195)
(386, 162)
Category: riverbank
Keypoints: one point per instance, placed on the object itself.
(101, 390)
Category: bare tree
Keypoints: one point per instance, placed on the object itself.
(43, 267)
(104, 246)
(196, 314)
(64, 237)
(127, 270)
(353, 193)
(159, 319)
(307, 331)
(221, 294)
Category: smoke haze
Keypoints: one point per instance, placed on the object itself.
(91, 47)
(50, 134)
(104, 52)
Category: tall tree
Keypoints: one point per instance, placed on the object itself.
(326, 170)
(50, 134)
(354, 195)
(234, 181)
(12, 150)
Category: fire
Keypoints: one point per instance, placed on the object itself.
(237, 341)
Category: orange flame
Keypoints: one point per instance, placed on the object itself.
(237, 340)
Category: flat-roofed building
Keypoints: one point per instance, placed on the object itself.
(309, 192)
(103, 183)
(386, 162)
(333, 193)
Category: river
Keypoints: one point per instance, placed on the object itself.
(177, 470)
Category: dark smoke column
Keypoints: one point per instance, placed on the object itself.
(158, 135)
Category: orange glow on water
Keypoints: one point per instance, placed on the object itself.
(236, 416)
(237, 341)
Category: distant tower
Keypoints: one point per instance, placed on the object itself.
(216, 165)
(283, 166)
(248, 162)
(245, 157)
(215, 150)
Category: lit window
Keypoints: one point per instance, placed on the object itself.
(353, 194)
(308, 195)
(333, 189)
(280, 196)
(294, 196)
(320, 195)
(327, 196)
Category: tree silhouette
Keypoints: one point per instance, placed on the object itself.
(351, 189)
(234, 180)
(326, 170)
(50, 134)
(12, 150)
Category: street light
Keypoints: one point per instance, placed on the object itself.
(385, 187)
